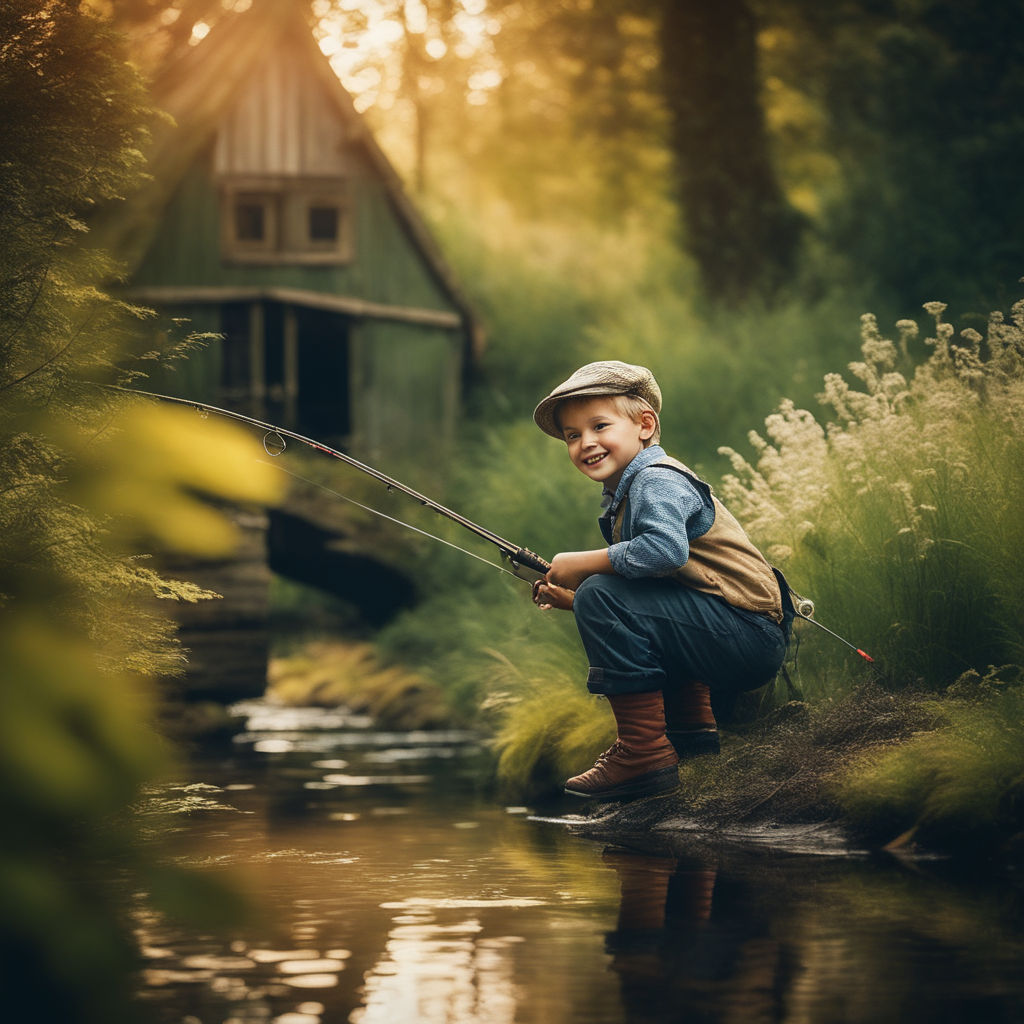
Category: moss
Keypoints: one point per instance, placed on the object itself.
(959, 786)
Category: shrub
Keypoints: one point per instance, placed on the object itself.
(958, 786)
(901, 516)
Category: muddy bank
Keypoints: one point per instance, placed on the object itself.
(911, 773)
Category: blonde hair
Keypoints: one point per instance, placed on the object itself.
(630, 406)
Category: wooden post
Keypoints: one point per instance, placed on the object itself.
(257, 370)
(291, 366)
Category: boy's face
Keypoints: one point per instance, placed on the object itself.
(602, 441)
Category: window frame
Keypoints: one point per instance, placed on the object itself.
(287, 204)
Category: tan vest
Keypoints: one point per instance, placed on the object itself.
(723, 561)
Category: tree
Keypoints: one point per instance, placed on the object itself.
(739, 226)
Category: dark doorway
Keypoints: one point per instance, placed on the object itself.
(236, 382)
(323, 408)
(289, 365)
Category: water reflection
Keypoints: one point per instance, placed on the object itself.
(394, 891)
(724, 936)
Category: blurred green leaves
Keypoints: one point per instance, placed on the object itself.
(151, 467)
(88, 481)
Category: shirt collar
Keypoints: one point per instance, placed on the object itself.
(645, 457)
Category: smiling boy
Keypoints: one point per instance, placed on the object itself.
(678, 604)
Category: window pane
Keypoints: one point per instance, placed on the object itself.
(250, 221)
(323, 223)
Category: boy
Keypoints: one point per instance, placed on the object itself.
(680, 603)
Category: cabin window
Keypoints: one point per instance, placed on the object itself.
(286, 220)
(250, 222)
(255, 221)
(323, 224)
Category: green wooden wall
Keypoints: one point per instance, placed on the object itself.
(405, 391)
(386, 267)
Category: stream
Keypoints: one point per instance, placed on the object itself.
(390, 887)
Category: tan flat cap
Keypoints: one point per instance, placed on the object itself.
(609, 377)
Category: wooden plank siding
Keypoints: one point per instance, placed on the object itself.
(283, 124)
(389, 365)
(186, 251)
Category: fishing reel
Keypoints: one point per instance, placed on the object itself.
(804, 608)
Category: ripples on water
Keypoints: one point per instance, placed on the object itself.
(391, 889)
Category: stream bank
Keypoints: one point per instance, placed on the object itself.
(390, 885)
(877, 766)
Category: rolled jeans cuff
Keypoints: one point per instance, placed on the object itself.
(609, 683)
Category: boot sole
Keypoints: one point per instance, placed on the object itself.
(662, 780)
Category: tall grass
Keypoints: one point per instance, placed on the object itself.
(897, 511)
(901, 516)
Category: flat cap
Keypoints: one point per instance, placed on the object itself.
(609, 377)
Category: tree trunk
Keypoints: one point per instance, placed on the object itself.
(739, 227)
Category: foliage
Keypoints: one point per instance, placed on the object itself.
(959, 786)
(892, 127)
(84, 477)
(898, 518)
(554, 306)
(901, 517)
(884, 137)
(553, 299)
(923, 102)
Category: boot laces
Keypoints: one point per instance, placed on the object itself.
(617, 748)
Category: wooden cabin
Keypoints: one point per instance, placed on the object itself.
(274, 219)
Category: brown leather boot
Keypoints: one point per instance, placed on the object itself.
(641, 761)
(689, 720)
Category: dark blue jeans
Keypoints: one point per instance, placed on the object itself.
(647, 634)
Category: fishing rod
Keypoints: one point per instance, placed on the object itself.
(525, 564)
(804, 609)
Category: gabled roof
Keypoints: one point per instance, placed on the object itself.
(198, 88)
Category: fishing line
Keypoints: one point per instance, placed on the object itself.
(521, 559)
(384, 515)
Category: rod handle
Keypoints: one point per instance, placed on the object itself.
(527, 558)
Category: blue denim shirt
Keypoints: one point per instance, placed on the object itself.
(663, 513)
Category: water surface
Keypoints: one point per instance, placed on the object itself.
(393, 888)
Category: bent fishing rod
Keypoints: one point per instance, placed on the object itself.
(524, 564)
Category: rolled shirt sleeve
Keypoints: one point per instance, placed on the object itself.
(665, 512)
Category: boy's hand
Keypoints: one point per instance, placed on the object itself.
(570, 568)
(547, 596)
